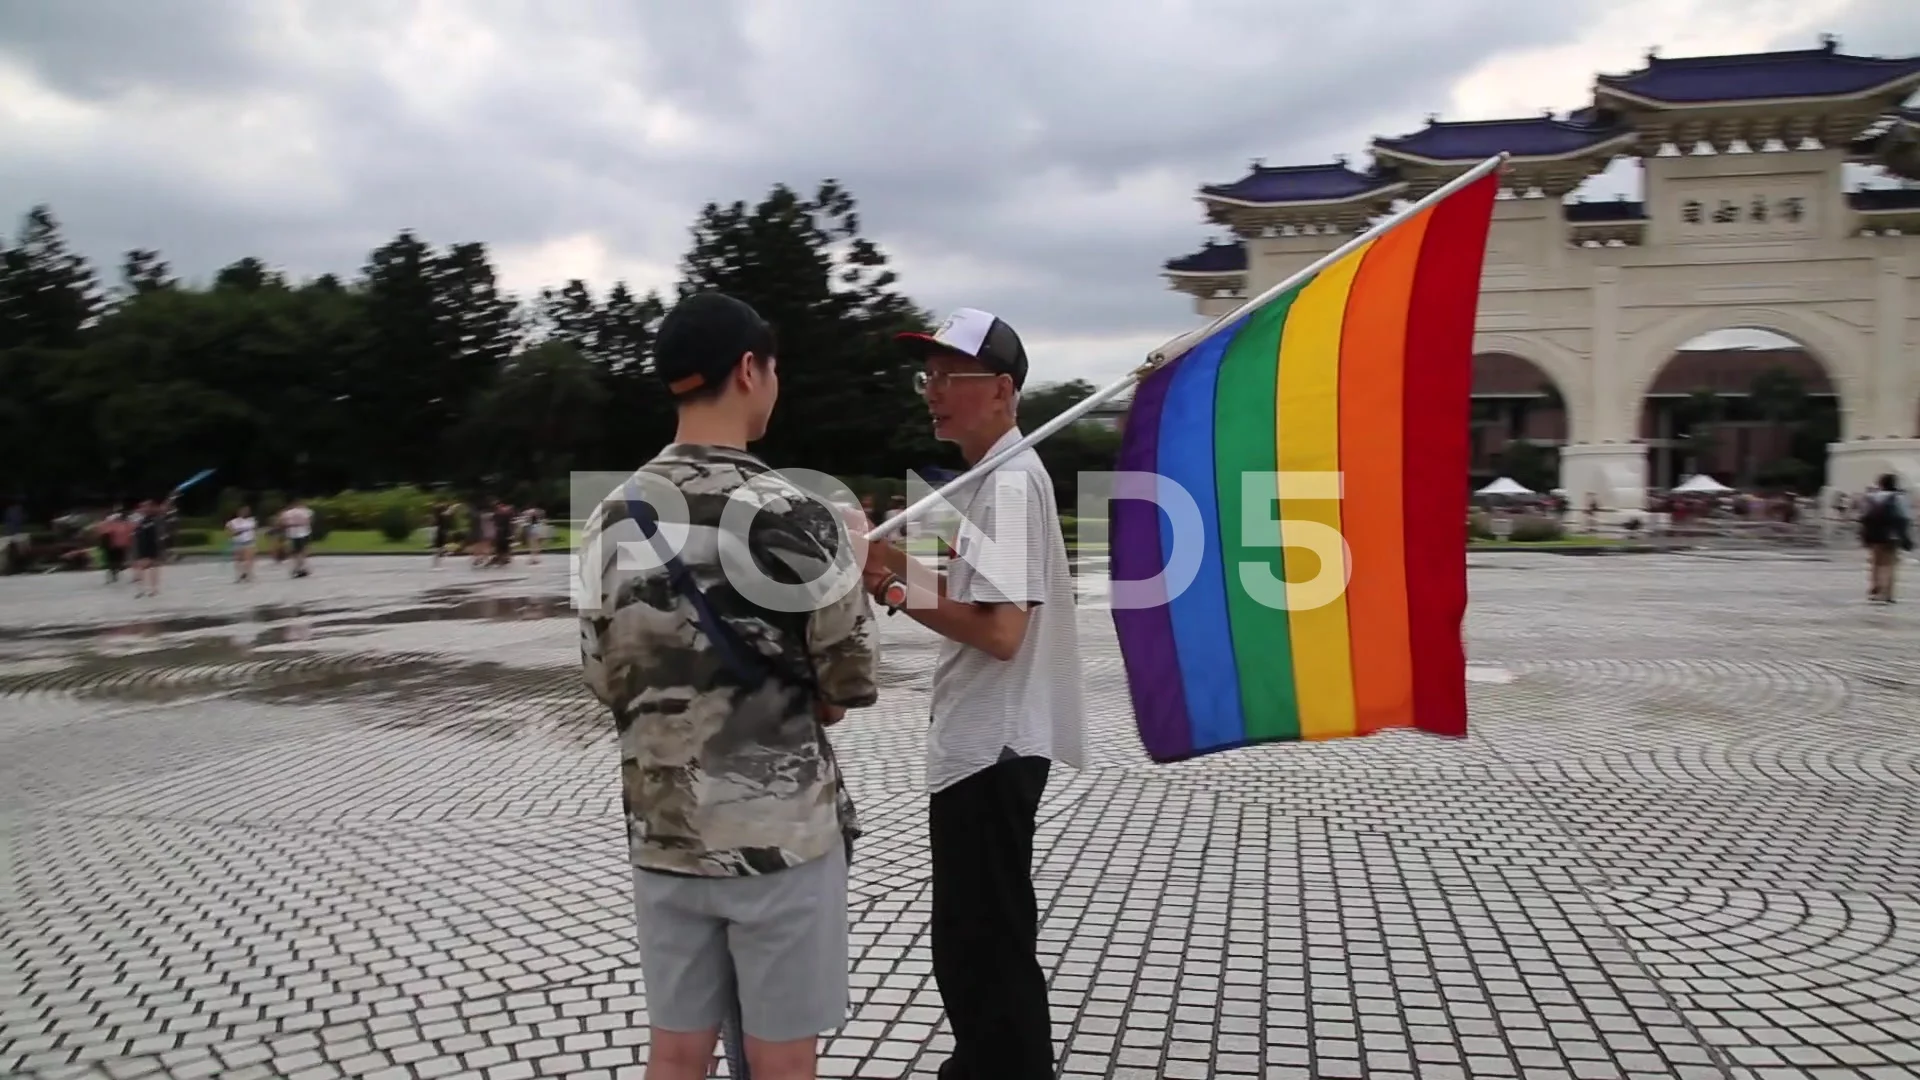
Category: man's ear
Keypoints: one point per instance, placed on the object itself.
(743, 370)
(760, 366)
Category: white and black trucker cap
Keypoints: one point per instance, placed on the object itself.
(978, 335)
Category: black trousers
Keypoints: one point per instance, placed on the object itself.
(986, 923)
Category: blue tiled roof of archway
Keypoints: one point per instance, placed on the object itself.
(1823, 72)
(1301, 183)
(1536, 136)
(1212, 259)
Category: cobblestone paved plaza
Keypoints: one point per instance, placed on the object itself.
(366, 824)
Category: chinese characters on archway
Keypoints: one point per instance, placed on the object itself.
(1758, 209)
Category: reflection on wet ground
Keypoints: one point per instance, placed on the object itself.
(304, 620)
(352, 645)
(258, 652)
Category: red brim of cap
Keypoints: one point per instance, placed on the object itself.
(921, 344)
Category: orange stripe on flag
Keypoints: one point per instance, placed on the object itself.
(1372, 366)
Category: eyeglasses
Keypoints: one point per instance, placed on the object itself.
(943, 379)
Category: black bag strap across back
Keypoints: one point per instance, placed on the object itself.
(745, 662)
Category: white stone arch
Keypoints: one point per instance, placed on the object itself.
(1839, 349)
(1567, 370)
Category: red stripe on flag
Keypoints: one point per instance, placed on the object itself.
(1439, 382)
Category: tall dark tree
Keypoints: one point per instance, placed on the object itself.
(639, 416)
(1702, 412)
(395, 389)
(847, 403)
(48, 294)
(1779, 396)
(539, 418)
(248, 275)
(568, 314)
(1040, 404)
(622, 339)
(145, 272)
(475, 317)
(441, 330)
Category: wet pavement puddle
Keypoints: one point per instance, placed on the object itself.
(257, 650)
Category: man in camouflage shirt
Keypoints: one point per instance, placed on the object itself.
(738, 820)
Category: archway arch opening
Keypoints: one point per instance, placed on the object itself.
(1519, 422)
(1750, 407)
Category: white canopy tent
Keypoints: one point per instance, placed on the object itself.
(1505, 486)
(1701, 484)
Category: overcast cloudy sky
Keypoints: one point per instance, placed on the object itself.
(1038, 159)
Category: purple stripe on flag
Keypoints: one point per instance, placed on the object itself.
(1146, 633)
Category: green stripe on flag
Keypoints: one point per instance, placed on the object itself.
(1245, 440)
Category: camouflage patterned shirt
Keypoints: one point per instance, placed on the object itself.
(720, 778)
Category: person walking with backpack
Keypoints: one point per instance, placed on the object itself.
(1886, 530)
(724, 659)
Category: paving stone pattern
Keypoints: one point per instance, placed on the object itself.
(365, 825)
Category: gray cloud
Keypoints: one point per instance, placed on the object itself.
(1038, 159)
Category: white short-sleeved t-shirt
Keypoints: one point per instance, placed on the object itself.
(241, 529)
(1009, 550)
(298, 521)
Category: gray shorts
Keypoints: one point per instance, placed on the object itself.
(779, 940)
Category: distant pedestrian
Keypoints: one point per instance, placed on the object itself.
(170, 529)
(502, 535)
(116, 537)
(296, 524)
(241, 530)
(146, 549)
(480, 534)
(537, 532)
(442, 531)
(1886, 530)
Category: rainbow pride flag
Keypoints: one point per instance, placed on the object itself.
(1363, 371)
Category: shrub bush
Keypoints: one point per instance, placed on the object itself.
(1479, 525)
(364, 509)
(395, 523)
(1532, 529)
(193, 538)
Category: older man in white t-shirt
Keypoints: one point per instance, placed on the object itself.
(1007, 701)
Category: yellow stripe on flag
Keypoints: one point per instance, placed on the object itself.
(1308, 416)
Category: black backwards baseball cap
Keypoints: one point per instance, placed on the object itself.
(702, 338)
(976, 335)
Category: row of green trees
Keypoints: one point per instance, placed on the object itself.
(421, 369)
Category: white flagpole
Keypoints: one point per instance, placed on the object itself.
(1177, 347)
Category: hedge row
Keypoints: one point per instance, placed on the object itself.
(1526, 528)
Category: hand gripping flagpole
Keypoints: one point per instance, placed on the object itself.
(1178, 347)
